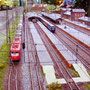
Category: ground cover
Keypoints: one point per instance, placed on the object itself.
(74, 72)
(87, 86)
(5, 56)
(50, 7)
(54, 86)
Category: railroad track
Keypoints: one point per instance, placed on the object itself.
(75, 49)
(79, 28)
(33, 64)
(12, 78)
(57, 60)
(81, 52)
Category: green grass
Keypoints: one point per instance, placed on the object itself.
(58, 9)
(87, 86)
(42, 73)
(57, 76)
(5, 57)
(73, 70)
(88, 72)
(54, 86)
(51, 7)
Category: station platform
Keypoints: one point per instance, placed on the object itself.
(50, 75)
(84, 76)
(77, 34)
(68, 56)
(44, 57)
(42, 53)
(54, 17)
(78, 24)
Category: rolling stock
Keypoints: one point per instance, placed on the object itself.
(18, 33)
(15, 52)
(17, 41)
(50, 26)
(35, 17)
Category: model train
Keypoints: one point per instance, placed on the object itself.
(15, 50)
(35, 17)
(50, 26)
(6, 4)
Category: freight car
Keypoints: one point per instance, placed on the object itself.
(50, 26)
(15, 52)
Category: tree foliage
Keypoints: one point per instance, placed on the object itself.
(85, 4)
(82, 4)
(58, 2)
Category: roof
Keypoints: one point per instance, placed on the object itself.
(85, 18)
(78, 10)
(15, 47)
(64, 9)
(67, 13)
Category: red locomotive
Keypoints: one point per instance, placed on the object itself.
(18, 33)
(17, 41)
(15, 52)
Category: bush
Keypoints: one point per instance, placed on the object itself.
(50, 7)
(54, 86)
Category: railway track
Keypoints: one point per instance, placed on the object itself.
(34, 67)
(12, 78)
(57, 60)
(81, 52)
(79, 28)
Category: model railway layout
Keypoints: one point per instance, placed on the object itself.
(47, 48)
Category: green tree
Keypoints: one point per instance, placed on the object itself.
(82, 4)
(49, 1)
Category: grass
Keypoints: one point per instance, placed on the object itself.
(88, 72)
(51, 7)
(54, 86)
(73, 70)
(57, 76)
(87, 86)
(5, 57)
(42, 73)
(58, 9)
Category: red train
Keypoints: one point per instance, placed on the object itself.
(17, 41)
(15, 50)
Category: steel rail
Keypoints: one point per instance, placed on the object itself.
(30, 71)
(84, 61)
(48, 46)
(33, 56)
(81, 47)
(15, 76)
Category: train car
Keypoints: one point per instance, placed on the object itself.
(17, 41)
(18, 33)
(50, 26)
(15, 52)
(6, 4)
